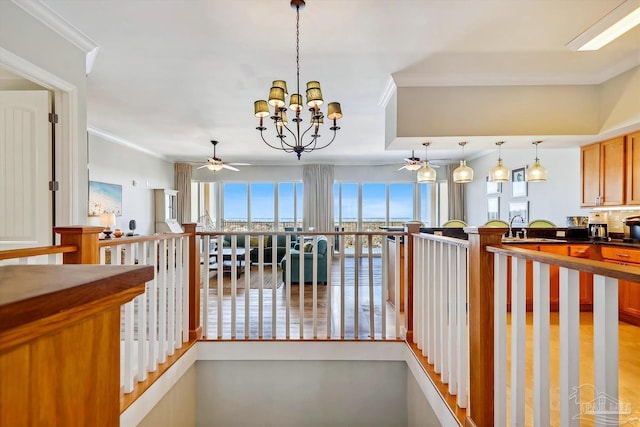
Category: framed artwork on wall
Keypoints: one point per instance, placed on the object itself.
(493, 208)
(518, 183)
(493, 187)
(104, 198)
(522, 209)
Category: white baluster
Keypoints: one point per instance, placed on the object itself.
(314, 280)
(153, 309)
(397, 280)
(162, 303)
(342, 287)
(220, 283)
(452, 349)
(462, 334)
(128, 347)
(541, 337)
(288, 286)
(329, 288)
(171, 297)
(518, 339)
(569, 347)
(204, 278)
(143, 341)
(605, 343)
(274, 286)
(500, 339)
(372, 311)
(234, 285)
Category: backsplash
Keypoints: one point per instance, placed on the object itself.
(616, 219)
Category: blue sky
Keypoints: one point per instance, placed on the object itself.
(373, 201)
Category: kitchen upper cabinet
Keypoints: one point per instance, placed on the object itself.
(603, 173)
(633, 169)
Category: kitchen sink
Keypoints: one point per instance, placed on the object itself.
(531, 240)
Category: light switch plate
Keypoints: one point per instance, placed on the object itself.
(560, 233)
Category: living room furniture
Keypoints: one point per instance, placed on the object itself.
(267, 252)
(228, 260)
(307, 254)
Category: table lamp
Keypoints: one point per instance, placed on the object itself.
(107, 220)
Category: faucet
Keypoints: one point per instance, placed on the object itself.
(511, 224)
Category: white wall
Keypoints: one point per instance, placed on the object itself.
(301, 393)
(177, 407)
(554, 199)
(116, 164)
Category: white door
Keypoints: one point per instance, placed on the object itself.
(25, 169)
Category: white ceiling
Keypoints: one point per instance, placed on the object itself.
(171, 75)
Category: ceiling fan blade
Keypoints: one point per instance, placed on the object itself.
(403, 167)
(239, 164)
(203, 166)
(231, 168)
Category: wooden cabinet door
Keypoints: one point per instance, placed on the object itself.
(586, 279)
(633, 169)
(554, 273)
(590, 174)
(612, 171)
(629, 294)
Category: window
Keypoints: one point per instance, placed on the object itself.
(400, 204)
(289, 205)
(374, 206)
(235, 207)
(262, 206)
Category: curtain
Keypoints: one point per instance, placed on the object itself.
(456, 196)
(318, 197)
(182, 177)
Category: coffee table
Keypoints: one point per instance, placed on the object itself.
(227, 261)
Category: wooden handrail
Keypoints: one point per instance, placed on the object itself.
(306, 233)
(621, 272)
(37, 251)
(125, 240)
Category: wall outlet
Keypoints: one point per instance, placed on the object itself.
(437, 233)
(560, 233)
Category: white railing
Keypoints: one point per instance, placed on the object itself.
(512, 386)
(254, 299)
(440, 301)
(155, 323)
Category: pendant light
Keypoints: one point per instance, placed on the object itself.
(426, 173)
(499, 173)
(537, 172)
(463, 173)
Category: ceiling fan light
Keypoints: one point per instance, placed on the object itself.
(499, 173)
(276, 97)
(413, 166)
(281, 84)
(426, 174)
(536, 173)
(261, 108)
(334, 112)
(463, 173)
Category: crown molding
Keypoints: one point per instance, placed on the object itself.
(57, 23)
(121, 141)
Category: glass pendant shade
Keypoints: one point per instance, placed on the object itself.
(463, 173)
(215, 167)
(536, 173)
(426, 174)
(499, 173)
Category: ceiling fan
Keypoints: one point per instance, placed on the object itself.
(412, 163)
(215, 164)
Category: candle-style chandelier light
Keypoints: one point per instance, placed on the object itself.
(305, 139)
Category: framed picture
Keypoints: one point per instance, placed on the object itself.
(520, 209)
(518, 183)
(493, 208)
(104, 198)
(493, 187)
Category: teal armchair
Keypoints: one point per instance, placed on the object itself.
(322, 257)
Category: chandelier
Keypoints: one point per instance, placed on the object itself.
(305, 139)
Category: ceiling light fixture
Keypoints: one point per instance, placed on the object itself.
(499, 173)
(537, 172)
(617, 22)
(463, 173)
(426, 173)
(277, 95)
(413, 163)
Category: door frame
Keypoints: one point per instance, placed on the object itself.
(66, 154)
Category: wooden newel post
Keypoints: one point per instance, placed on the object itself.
(195, 328)
(410, 228)
(481, 358)
(85, 237)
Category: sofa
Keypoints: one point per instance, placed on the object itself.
(254, 255)
(307, 256)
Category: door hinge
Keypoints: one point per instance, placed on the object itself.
(53, 186)
(53, 118)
